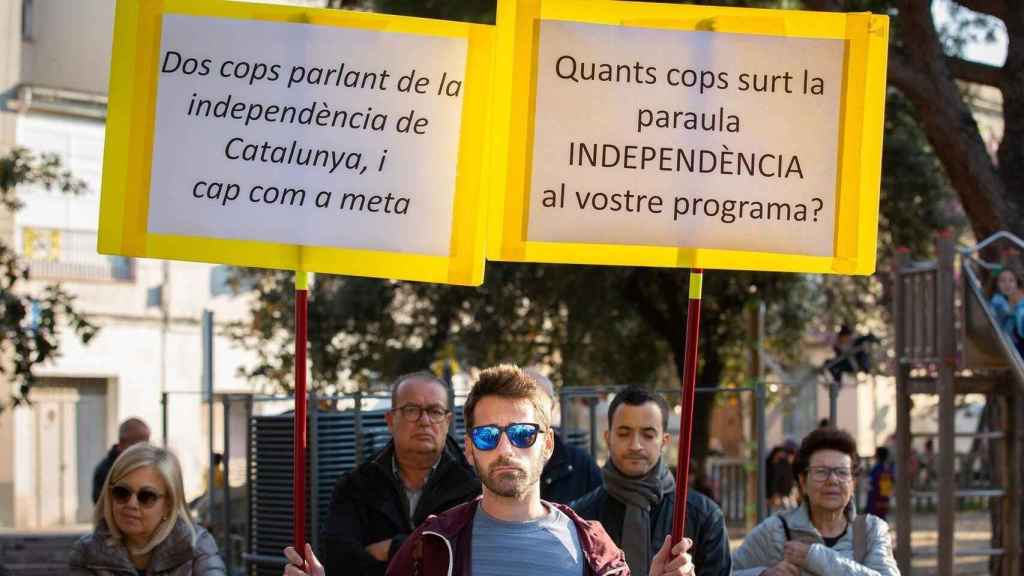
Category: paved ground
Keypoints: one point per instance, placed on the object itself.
(972, 531)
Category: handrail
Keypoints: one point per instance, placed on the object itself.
(1001, 235)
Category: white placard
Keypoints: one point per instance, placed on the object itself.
(307, 135)
(685, 139)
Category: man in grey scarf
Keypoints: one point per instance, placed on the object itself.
(636, 503)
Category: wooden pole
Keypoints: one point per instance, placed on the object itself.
(299, 472)
(689, 386)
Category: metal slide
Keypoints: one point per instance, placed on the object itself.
(984, 344)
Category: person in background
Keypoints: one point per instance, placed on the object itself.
(880, 484)
(779, 477)
(141, 525)
(570, 472)
(1008, 305)
(636, 504)
(132, 431)
(422, 471)
(823, 536)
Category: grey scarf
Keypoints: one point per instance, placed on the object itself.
(639, 495)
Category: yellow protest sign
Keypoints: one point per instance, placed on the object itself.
(293, 138)
(645, 134)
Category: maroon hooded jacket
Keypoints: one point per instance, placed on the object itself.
(441, 546)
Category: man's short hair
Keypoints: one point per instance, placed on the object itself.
(511, 382)
(420, 375)
(635, 396)
(124, 431)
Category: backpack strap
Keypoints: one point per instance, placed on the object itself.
(860, 538)
(785, 527)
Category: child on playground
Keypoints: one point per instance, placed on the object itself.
(1008, 304)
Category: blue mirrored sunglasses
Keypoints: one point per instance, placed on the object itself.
(520, 435)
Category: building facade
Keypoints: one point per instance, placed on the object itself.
(54, 69)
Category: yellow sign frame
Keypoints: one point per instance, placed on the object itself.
(860, 146)
(131, 121)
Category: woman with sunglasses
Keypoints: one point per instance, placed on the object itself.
(141, 524)
(823, 536)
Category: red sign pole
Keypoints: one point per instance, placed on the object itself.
(689, 386)
(299, 473)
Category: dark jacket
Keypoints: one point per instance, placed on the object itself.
(569, 474)
(99, 475)
(442, 545)
(705, 525)
(91, 555)
(369, 505)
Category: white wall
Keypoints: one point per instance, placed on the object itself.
(134, 351)
(70, 45)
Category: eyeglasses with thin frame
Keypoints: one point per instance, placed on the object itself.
(823, 473)
(413, 413)
(146, 497)
(519, 434)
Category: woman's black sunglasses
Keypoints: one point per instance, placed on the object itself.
(146, 497)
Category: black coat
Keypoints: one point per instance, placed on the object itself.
(705, 525)
(99, 475)
(369, 505)
(569, 474)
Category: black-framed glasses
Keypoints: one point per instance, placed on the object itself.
(520, 435)
(413, 412)
(823, 473)
(146, 497)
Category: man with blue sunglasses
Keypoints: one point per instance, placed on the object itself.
(510, 530)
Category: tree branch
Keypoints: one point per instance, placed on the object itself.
(996, 8)
(975, 72)
(825, 5)
(921, 71)
(905, 77)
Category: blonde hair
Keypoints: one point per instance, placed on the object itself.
(167, 466)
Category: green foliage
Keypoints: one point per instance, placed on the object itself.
(30, 324)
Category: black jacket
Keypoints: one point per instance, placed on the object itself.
(705, 525)
(99, 475)
(369, 505)
(570, 474)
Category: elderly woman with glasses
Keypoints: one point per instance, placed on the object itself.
(141, 524)
(824, 536)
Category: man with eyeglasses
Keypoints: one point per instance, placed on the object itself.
(422, 471)
(637, 502)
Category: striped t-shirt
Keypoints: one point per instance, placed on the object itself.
(548, 545)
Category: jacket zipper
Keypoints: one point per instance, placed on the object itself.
(451, 554)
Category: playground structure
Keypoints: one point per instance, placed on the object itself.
(949, 344)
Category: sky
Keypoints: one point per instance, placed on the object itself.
(986, 52)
